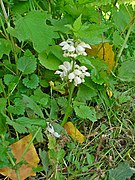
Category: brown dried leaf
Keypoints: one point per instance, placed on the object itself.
(103, 51)
(74, 132)
(30, 157)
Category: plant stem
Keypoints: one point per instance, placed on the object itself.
(124, 44)
(68, 110)
(4, 10)
(26, 149)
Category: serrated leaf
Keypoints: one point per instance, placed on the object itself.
(29, 102)
(91, 33)
(5, 47)
(27, 122)
(124, 11)
(33, 27)
(95, 76)
(18, 107)
(31, 81)
(86, 112)
(62, 102)
(127, 71)
(50, 62)
(40, 97)
(18, 127)
(122, 172)
(77, 24)
(85, 93)
(27, 63)
(74, 132)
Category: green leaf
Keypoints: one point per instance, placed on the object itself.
(18, 127)
(1, 86)
(27, 63)
(86, 112)
(5, 47)
(3, 103)
(18, 107)
(3, 126)
(52, 142)
(62, 102)
(91, 33)
(118, 14)
(31, 81)
(90, 158)
(29, 102)
(77, 24)
(85, 93)
(50, 62)
(95, 76)
(27, 122)
(41, 98)
(54, 109)
(117, 39)
(44, 159)
(127, 71)
(33, 27)
(122, 172)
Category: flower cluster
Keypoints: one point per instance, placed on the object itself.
(51, 130)
(73, 72)
(74, 49)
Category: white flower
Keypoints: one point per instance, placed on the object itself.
(73, 48)
(51, 130)
(73, 72)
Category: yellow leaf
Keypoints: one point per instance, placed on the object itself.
(74, 132)
(30, 157)
(103, 51)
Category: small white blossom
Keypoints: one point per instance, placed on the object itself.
(73, 72)
(74, 49)
(71, 76)
(51, 130)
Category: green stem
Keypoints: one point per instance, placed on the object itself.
(123, 46)
(26, 149)
(68, 110)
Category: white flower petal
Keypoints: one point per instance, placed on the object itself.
(66, 47)
(80, 49)
(77, 72)
(77, 80)
(67, 65)
(56, 134)
(50, 128)
(58, 72)
(83, 44)
(71, 76)
(71, 49)
(87, 74)
(83, 68)
(63, 43)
